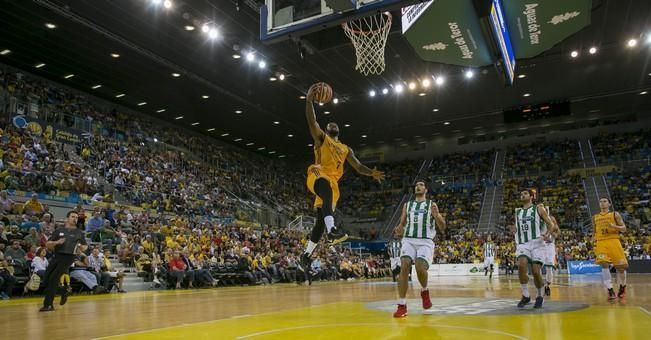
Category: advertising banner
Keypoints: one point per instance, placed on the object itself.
(583, 267)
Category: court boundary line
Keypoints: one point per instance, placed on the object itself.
(645, 310)
(272, 331)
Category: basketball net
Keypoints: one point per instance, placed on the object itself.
(369, 37)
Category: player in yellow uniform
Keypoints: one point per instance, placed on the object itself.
(323, 177)
(608, 249)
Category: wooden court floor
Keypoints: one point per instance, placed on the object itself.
(464, 308)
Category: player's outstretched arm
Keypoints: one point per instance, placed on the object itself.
(315, 130)
(363, 169)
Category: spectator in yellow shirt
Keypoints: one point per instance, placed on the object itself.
(33, 206)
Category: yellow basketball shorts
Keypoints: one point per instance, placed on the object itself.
(314, 173)
(610, 251)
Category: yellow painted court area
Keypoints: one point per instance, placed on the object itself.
(464, 308)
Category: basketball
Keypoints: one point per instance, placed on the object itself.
(322, 93)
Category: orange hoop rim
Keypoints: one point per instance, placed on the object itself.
(347, 27)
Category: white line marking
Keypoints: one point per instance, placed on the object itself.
(644, 310)
(376, 325)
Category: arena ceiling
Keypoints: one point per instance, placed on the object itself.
(235, 101)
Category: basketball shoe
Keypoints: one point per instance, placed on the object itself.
(401, 311)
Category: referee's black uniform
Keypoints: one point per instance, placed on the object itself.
(64, 256)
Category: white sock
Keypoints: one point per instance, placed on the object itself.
(525, 289)
(607, 279)
(621, 278)
(329, 222)
(310, 247)
(549, 276)
(402, 301)
(539, 292)
(423, 289)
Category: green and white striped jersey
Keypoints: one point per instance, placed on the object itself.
(420, 222)
(528, 224)
(489, 249)
(394, 248)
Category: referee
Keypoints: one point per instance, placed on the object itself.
(65, 242)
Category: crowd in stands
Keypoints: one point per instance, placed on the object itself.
(613, 148)
(535, 159)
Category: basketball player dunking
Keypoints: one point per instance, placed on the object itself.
(323, 177)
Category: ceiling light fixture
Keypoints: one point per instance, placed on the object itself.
(205, 28)
(262, 64)
(238, 111)
(249, 144)
(236, 56)
(69, 76)
(469, 74)
(189, 28)
(179, 117)
(398, 88)
(225, 134)
(276, 122)
(440, 80)
(39, 65)
(281, 76)
(120, 95)
(446, 123)
(213, 33)
(574, 54)
(250, 56)
(261, 148)
(422, 94)
(592, 50)
(364, 136)
(385, 90)
(205, 96)
(371, 93)
(632, 43)
(143, 103)
(273, 78)
(326, 112)
(161, 110)
(115, 55)
(237, 139)
(50, 25)
(643, 93)
(96, 87)
(211, 129)
(335, 101)
(346, 125)
(435, 110)
(290, 135)
(176, 75)
(527, 95)
(272, 152)
(195, 123)
(412, 86)
(426, 83)
(521, 76)
(167, 4)
(301, 97)
(5, 52)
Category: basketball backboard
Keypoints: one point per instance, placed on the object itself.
(284, 19)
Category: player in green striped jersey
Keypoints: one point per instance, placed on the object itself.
(417, 227)
(489, 257)
(532, 228)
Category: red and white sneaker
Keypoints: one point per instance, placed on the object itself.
(401, 311)
(427, 303)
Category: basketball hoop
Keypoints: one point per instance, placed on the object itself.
(369, 37)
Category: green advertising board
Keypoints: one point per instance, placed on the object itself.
(536, 26)
(446, 31)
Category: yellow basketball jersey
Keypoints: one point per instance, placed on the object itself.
(602, 222)
(331, 156)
